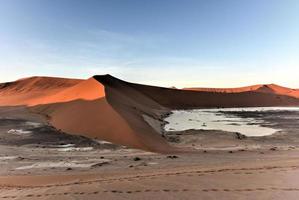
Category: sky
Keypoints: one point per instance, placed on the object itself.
(182, 43)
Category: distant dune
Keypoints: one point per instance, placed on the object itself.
(110, 109)
(28, 91)
(268, 88)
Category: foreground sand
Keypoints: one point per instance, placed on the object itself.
(211, 175)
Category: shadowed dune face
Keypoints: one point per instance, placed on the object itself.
(186, 99)
(131, 104)
(110, 109)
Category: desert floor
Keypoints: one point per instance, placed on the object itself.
(40, 162)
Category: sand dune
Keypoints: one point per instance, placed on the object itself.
(267, 88)
(29, 90)
(107, 108)
(37, 84)
(84, 110)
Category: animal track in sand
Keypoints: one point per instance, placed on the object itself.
(131, 192)
(188, 173)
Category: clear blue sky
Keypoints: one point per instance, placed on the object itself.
(213, 43)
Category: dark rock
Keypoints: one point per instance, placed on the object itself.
(20, 158)
(99, 164)
(240, 136)
(273, 148)
(172, 157)
(137, 159)
(173, 139)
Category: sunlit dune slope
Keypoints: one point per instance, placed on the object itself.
(29, 90)
(85, 90)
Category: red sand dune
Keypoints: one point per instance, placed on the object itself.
(25, 91)
(110, 109)
(83, 109)
(268, 88)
